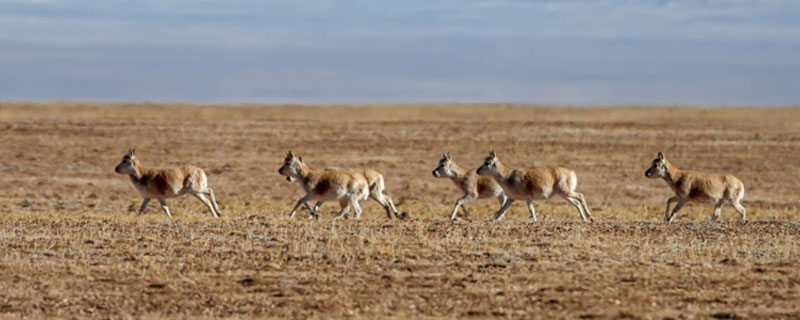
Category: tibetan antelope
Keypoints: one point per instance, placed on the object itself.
(697, 186)
(530, 184)
(376, 192)
(473, 185)
(348, 187)
(167, 183)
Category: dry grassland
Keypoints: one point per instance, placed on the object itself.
(71, 244)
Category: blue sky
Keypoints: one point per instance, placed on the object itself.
(716, 52)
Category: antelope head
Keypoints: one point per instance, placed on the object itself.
(129, 163)
(489, 166)
(293, 167)
(658, 168)
(445, 168)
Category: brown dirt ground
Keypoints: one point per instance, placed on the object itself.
(71, 244)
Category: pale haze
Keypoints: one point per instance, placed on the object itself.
(711, 52)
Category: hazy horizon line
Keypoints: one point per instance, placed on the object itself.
(101, 103)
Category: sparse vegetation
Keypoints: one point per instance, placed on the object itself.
(73, 245)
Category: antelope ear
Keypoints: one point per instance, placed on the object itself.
(493, 154)
(300, 159)
(289, 154)
(448, 156)
(660, 156)
(131, 151)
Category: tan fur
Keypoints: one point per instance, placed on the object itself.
(167, 183)
(376, 192)
(473, 185)
(693, 186)
(531, 184)
(346, 186)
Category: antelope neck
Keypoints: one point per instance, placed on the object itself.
(671, 173)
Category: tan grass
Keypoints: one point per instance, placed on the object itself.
(72, 245)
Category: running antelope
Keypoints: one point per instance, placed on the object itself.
(348, 187)
(167, 183)
(698, 186)
(473, 185)
(376, 192)
(530, 184)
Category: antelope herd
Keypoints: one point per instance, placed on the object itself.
(491, 180)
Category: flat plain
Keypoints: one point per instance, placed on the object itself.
(71, 244)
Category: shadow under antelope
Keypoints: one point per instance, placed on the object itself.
(167, 183)
(473, 185)
(537, 183)
(697, 186)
